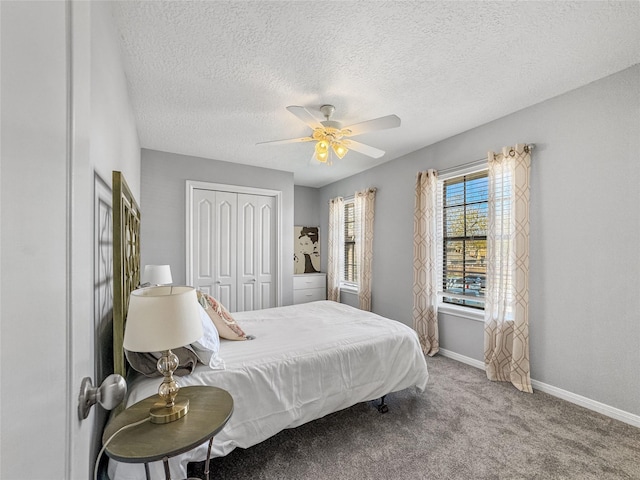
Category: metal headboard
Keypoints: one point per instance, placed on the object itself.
(126, 262)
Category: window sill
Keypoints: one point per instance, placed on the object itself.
(349, 289)
(462, 312)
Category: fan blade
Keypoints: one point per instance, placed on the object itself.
(290, 140)
(364, 149)
(382, 123)
(304, 115)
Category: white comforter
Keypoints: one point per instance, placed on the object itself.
(306, 361)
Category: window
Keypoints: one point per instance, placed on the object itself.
(463, 210)
(350, 270)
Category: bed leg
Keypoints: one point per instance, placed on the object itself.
(382, 407)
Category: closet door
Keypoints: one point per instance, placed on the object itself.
(214, 242)
(256, 252)
(234, 248)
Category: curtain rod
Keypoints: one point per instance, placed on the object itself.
(353, 196)
(475, 163)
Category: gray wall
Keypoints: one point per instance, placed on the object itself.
(114, 137)
(163, 186)
(307, 211)
(585, 232)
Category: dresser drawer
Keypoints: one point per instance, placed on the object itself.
(308, 295)
(306, 281)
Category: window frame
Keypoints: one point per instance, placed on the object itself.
(463, 311)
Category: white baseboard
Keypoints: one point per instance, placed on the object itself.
(585, 402)
(461, 358)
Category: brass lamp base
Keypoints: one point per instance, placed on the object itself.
(160, 413)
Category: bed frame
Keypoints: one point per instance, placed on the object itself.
(126, 267)
(126, 262)
(126, 274)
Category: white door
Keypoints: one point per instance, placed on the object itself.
(233, 248)
(214, 238)
(256, 252)
(46, 238)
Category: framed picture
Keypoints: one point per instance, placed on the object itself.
(306, 250)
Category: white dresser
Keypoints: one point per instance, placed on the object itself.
(309, 287)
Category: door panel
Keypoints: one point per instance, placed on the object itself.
(266, 244)
(246, 245)
(225, 283)
(266, 295)
(225, 294)
(267, 253)
(248, 297)
(247, 240)
(202, 240)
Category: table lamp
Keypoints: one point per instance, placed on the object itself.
(156, 275)
(159, 319)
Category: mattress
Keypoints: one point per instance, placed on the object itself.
(305, 362)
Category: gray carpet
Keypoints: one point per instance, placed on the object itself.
(462, 427)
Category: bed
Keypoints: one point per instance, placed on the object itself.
(306, 361)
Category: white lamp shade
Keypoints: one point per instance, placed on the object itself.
(157, 275)
(161, 318)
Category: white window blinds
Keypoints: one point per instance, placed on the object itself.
(350, 270)
(462, 235)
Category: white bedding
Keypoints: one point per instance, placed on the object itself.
(306, 361)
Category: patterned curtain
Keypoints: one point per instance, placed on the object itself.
(364, 204)
(425, 268)
(506, 331)
(335, 248)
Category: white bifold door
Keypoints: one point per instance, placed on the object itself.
(234, 248)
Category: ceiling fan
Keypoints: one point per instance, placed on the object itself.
(329, 135)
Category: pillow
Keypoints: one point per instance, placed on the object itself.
(221, 318)
(208, 346)
(146, 362)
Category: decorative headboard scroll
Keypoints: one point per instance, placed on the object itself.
(126, 262)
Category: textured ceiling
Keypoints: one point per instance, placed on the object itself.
(213, 78)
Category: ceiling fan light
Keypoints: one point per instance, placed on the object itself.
(339, 149)
(322, 146)
(322, 157)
